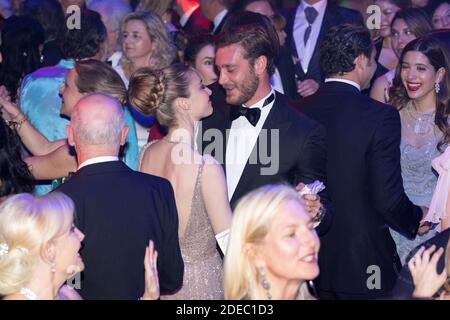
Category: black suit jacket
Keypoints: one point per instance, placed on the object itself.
(334, 15)
(221, 24)
(297, 149)
(365, 183)
(119, 210)
(197, 23)
(404, 287)
(286, 68)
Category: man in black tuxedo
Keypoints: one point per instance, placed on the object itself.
(190, 18)
(215, 11)
(257, 137)
(119, 210)
(358, 258)
(306, 26)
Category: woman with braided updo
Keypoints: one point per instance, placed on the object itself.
(179, 99)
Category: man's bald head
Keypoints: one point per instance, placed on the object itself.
(97, 119)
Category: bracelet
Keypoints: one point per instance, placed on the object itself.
(17, 124)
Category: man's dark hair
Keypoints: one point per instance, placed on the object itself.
(340, 47)
(84, 42)
(255, 33)
(49, 13)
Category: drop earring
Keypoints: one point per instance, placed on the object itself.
(264, 282)
(437, 87)
(53, 266)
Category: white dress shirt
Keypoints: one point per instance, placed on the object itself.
(218, 19)
(97, 160)
(185, 17)
(275, 81)
(242, 138)
(350, 82)
(300, 25)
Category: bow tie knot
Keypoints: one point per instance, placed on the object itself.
(252, 114)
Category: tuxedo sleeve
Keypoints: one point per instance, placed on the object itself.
(311, 166)
(386, 184)
(170, 262)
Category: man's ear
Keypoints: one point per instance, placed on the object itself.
(260, 65)
(360, 62)
(70, 135)
(123, 135)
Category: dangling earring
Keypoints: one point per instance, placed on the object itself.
(264, 282)
(437, 87)
(53, 266)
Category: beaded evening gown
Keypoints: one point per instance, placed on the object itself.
(203, 267)
(420, 137)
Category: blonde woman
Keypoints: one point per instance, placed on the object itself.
(273, 247)
(145, 43)
(38, 246)
(179, 99)
(39, 249)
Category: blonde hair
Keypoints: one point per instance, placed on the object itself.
(155, 91)
(164, 51)
(27, 223)
(251, 223)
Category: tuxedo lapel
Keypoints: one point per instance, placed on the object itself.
(253, 168)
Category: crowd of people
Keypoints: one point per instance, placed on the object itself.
(220, 149)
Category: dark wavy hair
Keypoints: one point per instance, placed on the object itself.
(14, 174)
(195, 44)
(49, 13)
(21, 38)
(255, 33)
(438, 56)
(416, 19)
(84, 42)
(341, 46)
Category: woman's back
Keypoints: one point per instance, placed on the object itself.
(184, 167)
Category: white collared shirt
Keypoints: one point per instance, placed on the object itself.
(241, 140)
(185, 17)
(300, 25)
(218, 19)
(97, 160)
(350, 82)
(276, 82)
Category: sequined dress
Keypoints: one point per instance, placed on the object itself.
(420, 137)
(203, 271)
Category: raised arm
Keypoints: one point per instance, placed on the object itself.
(56, 164)
(35, 142)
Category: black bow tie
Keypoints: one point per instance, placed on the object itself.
(252, 114)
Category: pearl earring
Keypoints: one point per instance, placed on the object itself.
(53, 266)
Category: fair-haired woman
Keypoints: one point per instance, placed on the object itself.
(273, 247)
(179, 99)
(145, 43)
(420, 93)
(39, 247)
(53, 158)
(407, 25)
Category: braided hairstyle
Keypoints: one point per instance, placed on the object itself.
(155, 91)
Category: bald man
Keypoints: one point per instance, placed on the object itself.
(119, 210)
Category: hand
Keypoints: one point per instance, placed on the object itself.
(307, 87)
(4, 93)
(311, 201)
(151, 273)
(12, 111)
(423, 270)
(424, 227)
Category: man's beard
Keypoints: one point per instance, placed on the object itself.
(247, 89)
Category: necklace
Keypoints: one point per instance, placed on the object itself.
(176, 142)
(27, 293)
(423, 122)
